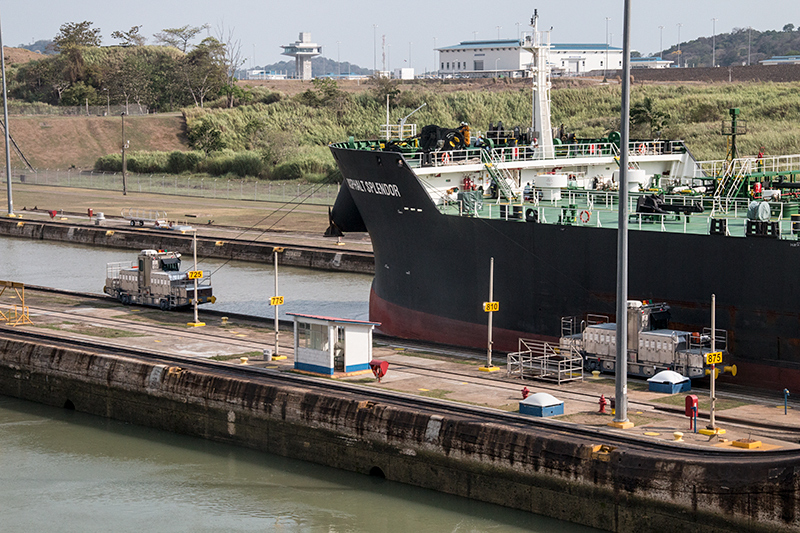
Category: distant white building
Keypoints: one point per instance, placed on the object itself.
(781, 60)
(259, 74)
(302, 51)
(509, 58)
(650, 62)
(404, 73)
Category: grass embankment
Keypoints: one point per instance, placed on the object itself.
(286, 137)
(298, 128)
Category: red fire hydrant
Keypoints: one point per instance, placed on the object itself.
(525, 392)
(602, 402)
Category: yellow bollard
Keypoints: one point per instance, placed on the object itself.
(244, 360)
(678, 436)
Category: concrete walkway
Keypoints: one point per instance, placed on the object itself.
(452, 376)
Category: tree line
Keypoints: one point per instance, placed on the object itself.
(172, 74)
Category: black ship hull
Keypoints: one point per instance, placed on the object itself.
(432, 274)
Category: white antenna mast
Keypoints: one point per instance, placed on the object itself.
(539, 45)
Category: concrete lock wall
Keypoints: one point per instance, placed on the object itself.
(524, 467)
(361, 262)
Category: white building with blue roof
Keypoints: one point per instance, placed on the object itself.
(507, 57)
(781, 60)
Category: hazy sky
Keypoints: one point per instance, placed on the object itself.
(409, 28)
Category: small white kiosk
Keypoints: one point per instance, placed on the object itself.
(326, 345)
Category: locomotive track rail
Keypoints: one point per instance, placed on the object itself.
(552, 428)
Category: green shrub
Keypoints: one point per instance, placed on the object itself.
(302, 167)
(238, 163)
(178, 161)
(109, 163)
(148, 162)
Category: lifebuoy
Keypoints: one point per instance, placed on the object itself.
(641, 148)
(585, 216)
(445, 158)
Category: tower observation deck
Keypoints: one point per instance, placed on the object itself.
(302, 51)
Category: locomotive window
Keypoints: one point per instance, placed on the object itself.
(170, 265)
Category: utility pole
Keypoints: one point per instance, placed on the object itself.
(195, 275)
(605, 65)
(490, 307)
(749, 30)
(435, 68)
(714, 42)
(679, 43)
(712, 423)
(621, 368)
(7, 134)
(660, 41)
(124, 162)
(374, 50)
(277, 328)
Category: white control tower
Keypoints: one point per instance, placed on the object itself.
(302, 51)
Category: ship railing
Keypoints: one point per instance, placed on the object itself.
(767, 164)
(643, 148)
(510, 154)
(113, 269)
(540, 360)
(398, 131)
(700, 340)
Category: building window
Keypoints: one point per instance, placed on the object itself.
(312, 336)
(478, 65)
(448, 65)
(601, 63)
(442, 65)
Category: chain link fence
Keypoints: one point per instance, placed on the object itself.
(81, 110)
(204, 187)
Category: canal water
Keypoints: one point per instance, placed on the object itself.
(68, 471)
(240, 287)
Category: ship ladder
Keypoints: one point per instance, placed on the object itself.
(730, 183)
(502, 178)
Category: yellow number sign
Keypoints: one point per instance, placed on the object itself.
(490, 307)
(276, 300)
(195, 274)
(714, 358)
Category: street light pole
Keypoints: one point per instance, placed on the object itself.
(621, 368)
(374, 49)
(338, 63)
(124, 165)
(714, 42)
(7, 134)
(679, 44)
(605, 65)
(435, 69)
(749, 29)
(498, 32)
(660, 41)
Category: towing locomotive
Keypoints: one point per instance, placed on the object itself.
(157, 281)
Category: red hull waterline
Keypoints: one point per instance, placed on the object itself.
(405, 323)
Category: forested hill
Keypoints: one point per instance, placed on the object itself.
(732, 48)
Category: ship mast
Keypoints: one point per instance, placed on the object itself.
(538, 43)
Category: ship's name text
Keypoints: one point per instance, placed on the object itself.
(371, 187)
